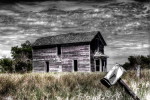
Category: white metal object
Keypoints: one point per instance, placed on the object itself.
(113, 75)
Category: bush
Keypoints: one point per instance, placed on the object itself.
(6, 65)
(144, 61)
(23, 67)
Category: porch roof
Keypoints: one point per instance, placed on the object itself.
(100, 55)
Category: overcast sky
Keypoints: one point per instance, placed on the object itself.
(124, 25)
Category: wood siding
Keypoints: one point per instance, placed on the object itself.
(40, 56)
(63, 62)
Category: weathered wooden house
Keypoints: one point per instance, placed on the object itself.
(71, 52)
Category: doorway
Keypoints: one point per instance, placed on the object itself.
(75, 65)
(97, 63)
(47, 66)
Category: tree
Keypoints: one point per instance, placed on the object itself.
(126, 66)
(133, 61)
(6, 65)
(22, 57)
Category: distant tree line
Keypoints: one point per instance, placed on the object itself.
(133, 61)
(21, 60)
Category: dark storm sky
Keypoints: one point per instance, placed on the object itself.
(14, 1)
(123, 23)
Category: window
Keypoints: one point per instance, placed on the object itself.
(47, 66)
(59, 50)
(75, 65)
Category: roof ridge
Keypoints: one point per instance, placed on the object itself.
(83, 32)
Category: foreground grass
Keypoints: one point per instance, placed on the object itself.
(70, 86)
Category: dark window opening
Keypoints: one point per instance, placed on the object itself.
(75, 65)
(59, 50)
(47, 66)
(97, 65)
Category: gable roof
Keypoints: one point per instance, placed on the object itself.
(68, 38)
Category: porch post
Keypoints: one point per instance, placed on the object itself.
(106, 65)
(94, 65)
(100, 65)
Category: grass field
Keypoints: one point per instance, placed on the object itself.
(70, 86)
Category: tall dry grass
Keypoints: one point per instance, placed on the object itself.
(70, 86)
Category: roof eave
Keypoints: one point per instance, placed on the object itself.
(64, 44)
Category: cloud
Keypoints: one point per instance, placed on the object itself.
(125, 1)
(30, 8)
(37, 23)
(138, 46)
(142, 0)
(127, 28)
(5, 53)
(9, 28)
(8, 13)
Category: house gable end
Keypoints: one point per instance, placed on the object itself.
(101, 39)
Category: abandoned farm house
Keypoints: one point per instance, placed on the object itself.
(71, 52)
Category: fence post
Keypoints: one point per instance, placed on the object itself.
(138, 71)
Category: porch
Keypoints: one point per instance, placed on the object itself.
(100, 62)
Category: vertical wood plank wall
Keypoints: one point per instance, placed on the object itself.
(40, 56)
(64, 62)
(80, 53)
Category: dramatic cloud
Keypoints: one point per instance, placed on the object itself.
(124, 25)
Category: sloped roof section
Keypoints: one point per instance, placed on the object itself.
(68, 38)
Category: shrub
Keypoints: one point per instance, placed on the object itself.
(6, 65)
